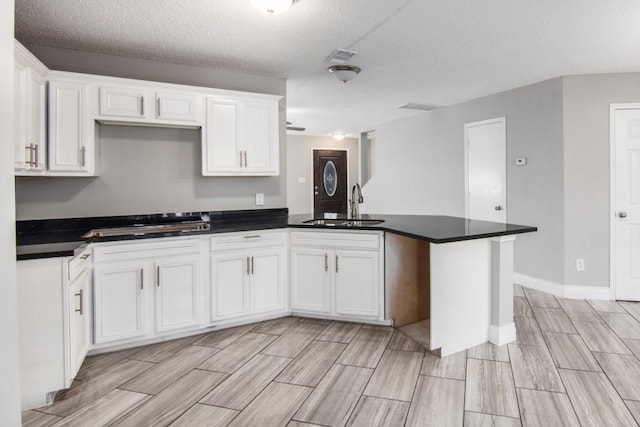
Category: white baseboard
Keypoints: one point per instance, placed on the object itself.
(563, 291)
(501, 335)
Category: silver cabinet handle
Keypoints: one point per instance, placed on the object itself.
(252, 265)
(326, 262)
(158, 272)
(245, 158)
(498, 208)
(141, 280)
(622, 214)
(248, 267)
(83, 150)
(253, 236)
(29, 149)
(85, 256)
(142, 106)
(337, 266)
(240, 158)
(79, 310)
(158, 107)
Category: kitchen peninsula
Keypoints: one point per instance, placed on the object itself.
(239, 267)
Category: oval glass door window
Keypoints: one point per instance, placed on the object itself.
(330, 178)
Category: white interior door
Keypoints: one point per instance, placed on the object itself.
(625, 189)
(486, 177)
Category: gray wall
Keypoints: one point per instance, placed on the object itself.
(149, 170)
(9, 362)
(299, 164)
(419, 168)
(587, 170)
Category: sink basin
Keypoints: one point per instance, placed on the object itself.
(141, 230)
(345, 222)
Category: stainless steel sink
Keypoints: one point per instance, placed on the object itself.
(345, 222)
(141, 230)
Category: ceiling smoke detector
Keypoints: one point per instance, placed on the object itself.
(344, 73)
(272, 7)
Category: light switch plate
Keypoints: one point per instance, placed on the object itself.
(259, 199)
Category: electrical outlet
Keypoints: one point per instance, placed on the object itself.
(259, 199)
(580, 264)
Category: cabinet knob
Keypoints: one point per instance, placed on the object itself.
(622, 214)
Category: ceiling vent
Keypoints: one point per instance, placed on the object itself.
(417, 106)
(340, 56)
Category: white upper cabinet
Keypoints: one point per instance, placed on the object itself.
(241, 137)
(29, 113)
(71, 129)
(177, 106)
(145, 105)
(122, 102)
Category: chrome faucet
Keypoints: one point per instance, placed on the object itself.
(356, 190)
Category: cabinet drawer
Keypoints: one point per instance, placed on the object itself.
(78, 263)
(248, 240)
(323, 238)
(125, 251)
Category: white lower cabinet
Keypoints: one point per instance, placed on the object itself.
(176, 292)
(337, 274)
(310, 280)
(357, 282)
(229, 285)
(79, 322)
(250, 280)
(267, 279)
(118, 299)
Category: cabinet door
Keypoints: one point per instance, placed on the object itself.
(261, 139)
(70, 139)
(357, 282)
(118, 299)
(221, 152)
(176, 293)
(177, 106)
(22, 156)
(311, 279)
(79, 324)
(229, 285)
(37, 120)
(267, 279)
(122, 102)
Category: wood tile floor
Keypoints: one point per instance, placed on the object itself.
(575, 363)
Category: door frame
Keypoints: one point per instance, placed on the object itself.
(613, 108)
(467, 126)
(312, 205)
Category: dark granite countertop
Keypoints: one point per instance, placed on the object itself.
(61, 237)
(432, 228)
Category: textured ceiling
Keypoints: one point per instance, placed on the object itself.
(427, 51)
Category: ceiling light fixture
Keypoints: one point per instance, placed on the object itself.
(272, 7)
(339, 135)
(344, 73)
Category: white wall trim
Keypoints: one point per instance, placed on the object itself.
(503, 334)
(564, 291)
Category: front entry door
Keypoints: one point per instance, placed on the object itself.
(626, 202)
(329, 182)
(485, 157)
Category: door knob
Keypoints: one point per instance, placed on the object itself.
(622, 214)
(498, 208)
